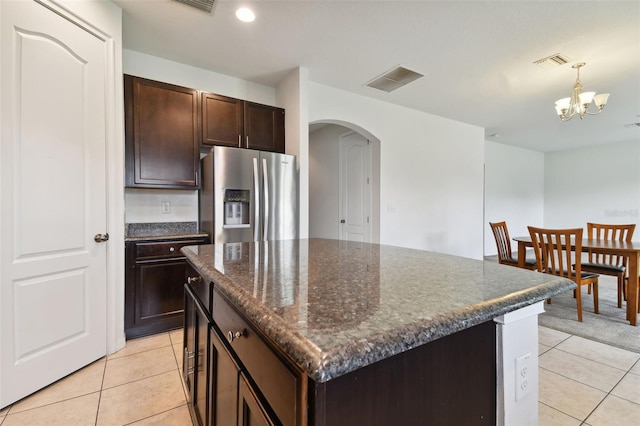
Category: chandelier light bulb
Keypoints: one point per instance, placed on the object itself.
(601, 100)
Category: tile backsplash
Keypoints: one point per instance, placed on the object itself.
(160, 205)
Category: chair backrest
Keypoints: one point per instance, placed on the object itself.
(602, 231)
(501, 235)
(553, 250)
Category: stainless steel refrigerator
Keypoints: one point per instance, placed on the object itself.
(248, 195)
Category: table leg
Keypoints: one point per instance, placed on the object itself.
(632, 289)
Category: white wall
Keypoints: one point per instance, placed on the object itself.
(595, 184)
(431, 188)
(292, 95)
(145, 205)
(514, 190)
(154, 68)
(324, 181)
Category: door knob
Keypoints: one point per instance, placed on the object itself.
(101, 238)
(342, 221)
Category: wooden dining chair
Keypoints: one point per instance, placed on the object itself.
(553, 251)
(609, 264)
(505, 255)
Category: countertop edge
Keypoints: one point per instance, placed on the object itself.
(322, 367)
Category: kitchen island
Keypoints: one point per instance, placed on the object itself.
(329, 332)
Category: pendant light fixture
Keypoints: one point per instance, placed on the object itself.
(580, 101)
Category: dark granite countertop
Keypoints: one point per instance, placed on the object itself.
(162, 231)
(336, 306)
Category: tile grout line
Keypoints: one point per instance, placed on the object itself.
(153, 415)
(104, 373)
(559, 411)
(597, 362)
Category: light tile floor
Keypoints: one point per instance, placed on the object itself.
(138, 385)
(581, 383)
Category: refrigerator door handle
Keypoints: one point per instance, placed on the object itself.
(256, 201)
(265, 176)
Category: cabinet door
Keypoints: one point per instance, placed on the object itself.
(201, 373)
(264, 127)
(250, 410)
(159, 291)
(222, 121)
(162, 135)
(195, 361)
(223, 380)
(189, 344)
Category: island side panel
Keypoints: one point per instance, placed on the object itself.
(451, 380)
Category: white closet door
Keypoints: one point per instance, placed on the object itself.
(355, 188)
(53, 198)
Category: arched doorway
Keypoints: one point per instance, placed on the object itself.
(344, 182)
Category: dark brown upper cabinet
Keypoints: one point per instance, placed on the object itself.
(162, 135)
(234, 122)
(222, 120)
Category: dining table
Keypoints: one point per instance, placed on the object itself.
(628, 249)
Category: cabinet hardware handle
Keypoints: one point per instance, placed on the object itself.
(188, 360)
(171, 249)
(231, 336)
(192, 280)
(239, 141)
(247, 142)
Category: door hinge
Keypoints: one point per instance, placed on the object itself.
(367, 181)
(367, 219)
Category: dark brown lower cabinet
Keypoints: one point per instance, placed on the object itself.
(195, 356)
(232, 401)
(220, 393)
(154, 279)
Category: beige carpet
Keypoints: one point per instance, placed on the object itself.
(609, 326)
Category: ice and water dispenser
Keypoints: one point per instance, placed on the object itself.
(236, 208)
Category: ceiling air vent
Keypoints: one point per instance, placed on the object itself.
(205, 5)
(394, 79)
(552, 61)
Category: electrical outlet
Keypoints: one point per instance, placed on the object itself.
(166, 207)
(522, 376)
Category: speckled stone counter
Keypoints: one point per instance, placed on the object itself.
(161, 231)
(336, 306)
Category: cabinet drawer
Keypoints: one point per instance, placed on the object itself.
(168, 249)
(200, 287)
(276, 381)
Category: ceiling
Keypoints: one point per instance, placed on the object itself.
(477, 56)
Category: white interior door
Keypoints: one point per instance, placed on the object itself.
(53, 195)
(355, 188)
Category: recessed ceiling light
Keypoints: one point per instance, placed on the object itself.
(245, 14)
